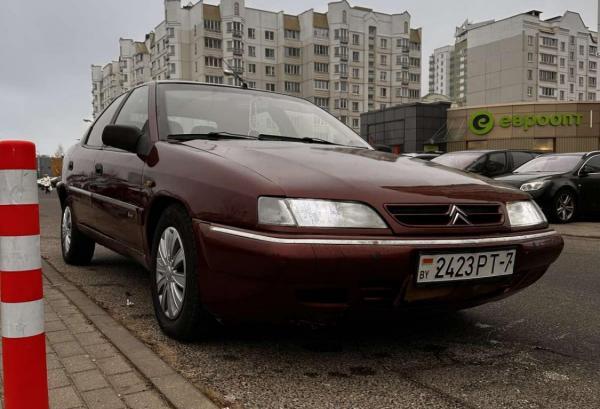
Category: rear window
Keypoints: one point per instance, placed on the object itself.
(460, 160)
(520, 158)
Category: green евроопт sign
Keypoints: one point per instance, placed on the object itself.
(482, 122)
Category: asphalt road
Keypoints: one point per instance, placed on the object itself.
(537, 349)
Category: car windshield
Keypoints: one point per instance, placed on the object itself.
(550, 164)
(190, 109)
(459, 160)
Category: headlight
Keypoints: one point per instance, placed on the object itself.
(526, 213)
(317, 213)
(535, 185)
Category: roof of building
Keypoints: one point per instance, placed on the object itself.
(291, 22)
(320, 20)
(211, 12)
(140, 48)
(415, 35)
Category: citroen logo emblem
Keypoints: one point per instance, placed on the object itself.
(457, 216)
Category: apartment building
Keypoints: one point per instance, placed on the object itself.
(347, 60)
(440, 71)
(524, 58)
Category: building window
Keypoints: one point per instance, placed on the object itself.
(321, 84)
(212, 42)
(383, 92)
(212, 25)
(530, 74)
(292, 52)
(236, 9)
(251, 33)
(321, 32)
(292, 34)
(406, 27)
(549, 42)
(321, 67)
(355, 39)
(383, 75)
(356, 89)
(213, 61)
(321, 49)
(414, 93)
(270, 70)
(562, 78)
(548, 59)
(251, 51)
(355, 122)
(269, 53)
(529, 57)
(344, 17)
(383, 43)
(269, 35)
(562, 95)
(581, 50)
(562, 62)
(355, 73)
(171, 32)
(213, 79)
(547, 76)
(355, 106)
(292, 86)
(529, 40)
(355, 56)
(291, 69)
(270, 87)
(547, 91)
(591, 96)
(252, 68)
(529, 91)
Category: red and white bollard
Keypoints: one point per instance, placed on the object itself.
(21, 297)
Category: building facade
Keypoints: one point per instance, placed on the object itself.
(525, 58)
(347, 60)
(541, 126)
(441, 68)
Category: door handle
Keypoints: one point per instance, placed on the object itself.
(70, 167)
(99, 169)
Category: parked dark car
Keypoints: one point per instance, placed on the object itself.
(250, 205)
(490, 163)
(564, 185)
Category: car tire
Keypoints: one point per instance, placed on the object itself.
(564, 206)
(77, 248)
(174, 280)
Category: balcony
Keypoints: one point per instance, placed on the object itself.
(237, 33)
(236, 50)
(405, 50)
(344, 40)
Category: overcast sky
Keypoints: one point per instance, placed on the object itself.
(48, 46)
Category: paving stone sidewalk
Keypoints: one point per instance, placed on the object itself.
(84, 369)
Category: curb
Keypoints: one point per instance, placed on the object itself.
(175, 388)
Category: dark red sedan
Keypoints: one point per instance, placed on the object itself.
(250, 205)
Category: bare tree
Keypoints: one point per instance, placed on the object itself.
(60, 152)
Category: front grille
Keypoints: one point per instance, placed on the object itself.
(447, 214)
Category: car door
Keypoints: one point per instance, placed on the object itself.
(589, 185)
(119, 196)
(81, 171)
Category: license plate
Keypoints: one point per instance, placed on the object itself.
(438, 268)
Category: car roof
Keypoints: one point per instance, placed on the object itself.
(482, 151)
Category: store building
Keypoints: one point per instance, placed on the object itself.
(543, 126)
(412, 127)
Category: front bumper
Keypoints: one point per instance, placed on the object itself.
(248, 275)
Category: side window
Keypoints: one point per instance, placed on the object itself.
(520, 158)
(594, 164)
(496, 164)
(95, 137)
(135, 110)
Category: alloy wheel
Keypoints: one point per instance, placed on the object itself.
(565, 206)
(170, 273)
(66, 230)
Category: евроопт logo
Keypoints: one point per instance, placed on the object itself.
(481, 122)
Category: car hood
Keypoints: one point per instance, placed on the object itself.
(337, 172)
(517, 179)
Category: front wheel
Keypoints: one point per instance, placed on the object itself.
(175, 292)
(77, 248)
(564, 206)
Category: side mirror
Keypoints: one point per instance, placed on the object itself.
(586, 170)
(122, 137)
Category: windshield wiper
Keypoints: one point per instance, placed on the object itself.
(306, 139)
(213, 136)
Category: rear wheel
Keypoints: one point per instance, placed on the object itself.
(77, 248)
(175, 292)
(564, 206)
